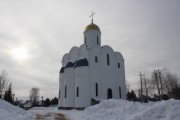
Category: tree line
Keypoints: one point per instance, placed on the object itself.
(161, 83)
(35, 98)
(7, 94)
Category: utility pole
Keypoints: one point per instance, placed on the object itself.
(140, 74)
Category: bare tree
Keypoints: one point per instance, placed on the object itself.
(172, 81)
(34, 94)
(164, 81)
(146, 85)
(3, 82)
(155, 81)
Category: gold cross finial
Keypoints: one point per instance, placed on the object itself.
(92, 16)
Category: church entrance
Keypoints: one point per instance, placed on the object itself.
(109, 93)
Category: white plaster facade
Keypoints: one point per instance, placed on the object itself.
(91, 71)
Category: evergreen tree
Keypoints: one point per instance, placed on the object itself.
(47, 102)
(54, 101)
(131, 95)
(128, 96)
(8, 94)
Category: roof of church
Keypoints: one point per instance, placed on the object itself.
(78, 63)
(81, 62)
(92, 26)
(62, 69)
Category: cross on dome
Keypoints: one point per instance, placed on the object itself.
(92, 26)
(92, 16)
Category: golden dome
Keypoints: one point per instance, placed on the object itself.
(92, 26)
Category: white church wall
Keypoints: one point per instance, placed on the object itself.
(95, 71)
(108, 72)
(69, 82)
(123, 76)
(83, 83)
(124, 80)
(61, 90)
(120, 74)
(91, 37)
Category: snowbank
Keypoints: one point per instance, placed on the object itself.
(125, 110)
(10, 112)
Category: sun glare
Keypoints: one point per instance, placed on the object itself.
(20, 53)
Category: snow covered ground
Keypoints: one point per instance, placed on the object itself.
(106, 110)
(10, 112)
(124, 110)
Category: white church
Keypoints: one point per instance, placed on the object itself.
(91, 72)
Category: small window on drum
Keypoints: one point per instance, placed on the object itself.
(108, 61)
(85, 39)
(118, 65)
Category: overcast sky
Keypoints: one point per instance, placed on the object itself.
(147, 33)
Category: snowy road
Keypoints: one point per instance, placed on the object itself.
(52, 112)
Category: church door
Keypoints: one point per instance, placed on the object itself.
(109, 93)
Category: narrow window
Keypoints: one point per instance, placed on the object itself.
(96, 89)
(77, 91)
(96, 59)
(108, 61)
(59, 93)
(97, 40)
(119, 92)
(65, 91)
(118, 65)
(85, 39)
(109, 93)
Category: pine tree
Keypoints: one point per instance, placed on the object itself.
(47, 102)
(54, 101)
(8, 94)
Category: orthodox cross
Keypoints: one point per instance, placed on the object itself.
(92, 16)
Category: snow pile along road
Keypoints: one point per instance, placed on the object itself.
(10, 112)
(124, 110)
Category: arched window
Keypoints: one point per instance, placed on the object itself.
(96, 89)
(108, 61)
(65, 95)
(119, 92)
(59, 93)
(96, 59)
(118, 65)
(109, 93)
(77, 91)
(97, 40)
